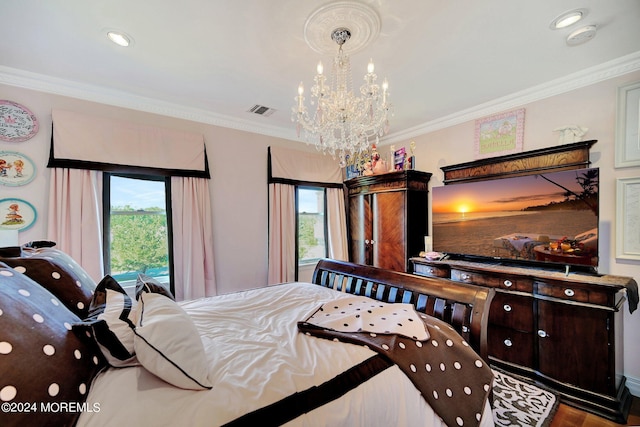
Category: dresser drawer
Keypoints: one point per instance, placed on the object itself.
(511, 346)
(513, 283)
(568, 292)
(431, 270)
(512, 311)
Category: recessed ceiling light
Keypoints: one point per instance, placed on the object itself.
(568, 18)
(119, 38)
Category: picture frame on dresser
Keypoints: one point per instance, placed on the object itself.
(627, 141)
(628, 218)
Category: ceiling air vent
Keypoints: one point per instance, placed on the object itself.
(261, 110)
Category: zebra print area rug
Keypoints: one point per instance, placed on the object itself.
(517, 403)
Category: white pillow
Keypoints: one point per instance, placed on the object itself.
(168, 345)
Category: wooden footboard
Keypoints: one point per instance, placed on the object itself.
(463, 306)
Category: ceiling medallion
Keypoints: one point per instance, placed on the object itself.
(361, 19)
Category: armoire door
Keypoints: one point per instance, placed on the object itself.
(360, 220)
(389, 230)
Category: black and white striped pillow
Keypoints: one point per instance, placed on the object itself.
(111, 320)
(150, 285)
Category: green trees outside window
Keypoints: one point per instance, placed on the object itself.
(139, 240)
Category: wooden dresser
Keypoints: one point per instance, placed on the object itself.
(387, 218)
(562, 331)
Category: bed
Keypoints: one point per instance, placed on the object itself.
(258, 357)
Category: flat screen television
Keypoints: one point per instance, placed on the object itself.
(549, 218)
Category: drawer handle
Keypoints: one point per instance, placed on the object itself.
(506, 307)
(569, 292)
(465, 276)
(430, 270)
(542, 334)
(372, 242)
(508, 283)
(366, 241)
(508, 342)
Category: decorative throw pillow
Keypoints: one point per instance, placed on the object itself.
(59, 274)
(168, 344)
(111, 321)
(41, 361)
(148, 284)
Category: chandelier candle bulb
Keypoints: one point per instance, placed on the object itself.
(300, 97)
(385, 86)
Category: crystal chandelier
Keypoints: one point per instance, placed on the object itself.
(343, 124)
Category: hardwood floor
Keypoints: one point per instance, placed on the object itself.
(567, 416)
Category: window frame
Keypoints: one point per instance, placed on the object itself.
(325, 224)
(106, 217)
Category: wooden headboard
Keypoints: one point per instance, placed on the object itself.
(465, 307)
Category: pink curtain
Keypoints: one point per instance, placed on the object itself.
(337, 224)
(192, 238)
(75, 217)
(282, 233)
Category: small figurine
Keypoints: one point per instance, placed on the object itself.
(570, 133)
(378, 165)
(368, 170)
(412, 158)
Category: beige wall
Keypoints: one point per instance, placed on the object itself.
(239, 178)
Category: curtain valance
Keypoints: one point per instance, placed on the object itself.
(287, 165)
(81, 141)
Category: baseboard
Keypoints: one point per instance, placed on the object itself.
(634, 386)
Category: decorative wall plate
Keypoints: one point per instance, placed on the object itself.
(16, 214)
(17, 122)
(16, 169)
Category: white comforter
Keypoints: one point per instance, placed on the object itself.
(257, 357)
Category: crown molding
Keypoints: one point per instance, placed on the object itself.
(47, 84)
(605, 71)
(39, 82)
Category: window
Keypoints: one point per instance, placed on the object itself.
(137, 227)
(311, 224)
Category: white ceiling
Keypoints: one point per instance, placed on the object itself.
(212, 60)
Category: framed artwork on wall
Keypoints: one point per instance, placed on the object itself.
(16, 169)
(628, 218)
(17, 122)
(499, 134)
(628, 126)
(16, 214)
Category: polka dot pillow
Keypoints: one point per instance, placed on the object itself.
(41, 360)
(59, 273)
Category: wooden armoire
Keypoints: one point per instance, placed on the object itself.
(387, 218)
